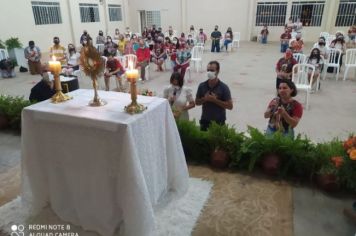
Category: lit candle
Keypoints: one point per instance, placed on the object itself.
(132, 74)
(55, 66)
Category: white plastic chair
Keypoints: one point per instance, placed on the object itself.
(197, 56)
(333, 60)
(3, 54)
(324, 34)
(128, 58)
(187, 73)
(350, 60)
(236, 40)
(300, 58)
(302, 76)
(100, 48)
(329, 39)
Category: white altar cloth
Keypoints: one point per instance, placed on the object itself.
(99, 167)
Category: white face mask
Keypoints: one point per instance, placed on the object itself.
(176, 87)
(211, 75)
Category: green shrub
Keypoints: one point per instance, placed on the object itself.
(2, 44)
(225, 138)
(195, 142)
(12, 107)
(12, 43)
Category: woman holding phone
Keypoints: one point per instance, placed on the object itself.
(283, 111)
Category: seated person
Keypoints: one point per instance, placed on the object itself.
(73, 61)
(315, 60)
(43, 90)
(182, 60)
(284, 67)
(113, 67)
(297, 44)
(159, 54)
(7, 68)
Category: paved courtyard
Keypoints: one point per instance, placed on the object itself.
(249, 72)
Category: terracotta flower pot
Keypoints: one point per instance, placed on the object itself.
(219, 159)
(271, 164)
(4, 122)
(328, 182)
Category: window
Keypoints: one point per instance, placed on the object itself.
(115, 12)
(46, 13)
(153, 18)
(310, 13)
(271, 13)
(346, 15)
(89, 12)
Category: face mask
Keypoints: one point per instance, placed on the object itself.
(211, 75)
(297, 39)
(85, 33)
(109, 40)
(192, 29)
(216, 29)
(322, 44)
(101, 34)
(176, 87)
(32, 46)
(85, 42)
(56, 41)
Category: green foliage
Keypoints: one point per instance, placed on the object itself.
(195, 142)
(12, 43)
(2, 44)
(347, 174)
(225, 138)
(12, 107)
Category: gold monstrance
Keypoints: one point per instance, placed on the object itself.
(92, 66)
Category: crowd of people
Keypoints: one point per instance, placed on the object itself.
(170, 49)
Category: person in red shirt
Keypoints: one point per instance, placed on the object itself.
(284, 67)
(143, 57)
(113, 68)
(283, 111)
(285, 37)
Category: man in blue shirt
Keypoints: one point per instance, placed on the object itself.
(215, 39)
(214, 96)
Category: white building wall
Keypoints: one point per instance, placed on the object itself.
(18, 21)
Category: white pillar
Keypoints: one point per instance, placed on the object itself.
(331, 9)
(106, 17)
(70, 17)
(183, 9)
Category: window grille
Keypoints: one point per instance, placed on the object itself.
(153, 18)
(46, 12)
(346, 15)
(310, 13)
(115, 12)
(271, 13)
(89, 12)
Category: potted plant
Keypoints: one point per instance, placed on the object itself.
(2, 45)
(194, 141)
(14, 47)
(347, 172)
(330, 158)
(4, 106)
(224, 143)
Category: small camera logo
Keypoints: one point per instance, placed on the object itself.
(17, 230)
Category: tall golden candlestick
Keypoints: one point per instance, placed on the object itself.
(133, 107)
(55, 68)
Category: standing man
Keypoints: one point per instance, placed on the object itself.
(215, 39)
(58, 51)
(214, 96)
(143, 57)
(33, 55)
